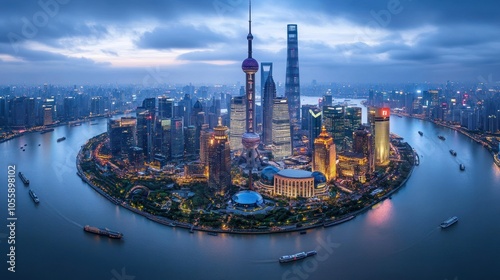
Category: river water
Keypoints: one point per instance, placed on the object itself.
(399, 238)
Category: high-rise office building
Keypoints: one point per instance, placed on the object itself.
(237, 121)
(382, 145)
(362, 144)
(190, 141)
(266, 69)
(145, 131)
(325, 155)
(250, 139)
(333, 120)
(267, 108)
(292, 83)
(314, 123)
(282, 142)
(165, 107)
(177, 139)
(219, 165)
(122, 135)
(205, 137)
(352, 120)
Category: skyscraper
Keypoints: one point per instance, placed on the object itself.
(333, 119)
(266, 69)
(219, 164)
(237, 121)
(268, 100)
(325, 155)
(292, 83)
(250, 139)
(122, 135)
(165, 107)
(382, 146)
(282, 142)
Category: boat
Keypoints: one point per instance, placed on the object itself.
(311, 253)
(453, 153)
(441, 137)
(104, 232)
(339, 221)
(421, 133)
(449, 222)
(294, 257)
(61, 139)
(47, 130)
(303, 232)
(462, 166)
(212, 233)
(34, 197)
(24, 179)
(75, 124)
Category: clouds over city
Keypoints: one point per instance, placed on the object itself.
(205, 41)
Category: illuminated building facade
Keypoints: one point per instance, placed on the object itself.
(295, 183)
(237, 120)
(362, 144)
(281, 139)
(333, 120)
(382, 145)
(219, 160)
(353, 165)
(325, 156)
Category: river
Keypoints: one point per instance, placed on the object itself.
(399, 238)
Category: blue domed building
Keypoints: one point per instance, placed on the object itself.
(247, 199)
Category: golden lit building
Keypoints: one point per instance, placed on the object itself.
(382, 146)
(355, 165)
(219, 160)
(325, 158)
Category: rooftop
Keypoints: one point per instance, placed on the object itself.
(295, 173)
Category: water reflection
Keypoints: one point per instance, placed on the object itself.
(381, 213)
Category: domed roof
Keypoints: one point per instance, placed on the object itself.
(295, 173)
(267, 174)
(319, 179)
(248, 198)
(250, 65)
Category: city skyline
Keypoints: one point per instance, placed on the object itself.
(162, 42)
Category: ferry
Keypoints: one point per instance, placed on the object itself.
(339, 221)
(453, 153)
(421, 133)
(25, 181)
(296, 257)
(47, 130)
(104, 232)
(61, 139)
(462, 166)
(449, 222)
(34, 197)
(75, 124)
(441, 137)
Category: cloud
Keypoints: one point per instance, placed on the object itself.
(179, 37)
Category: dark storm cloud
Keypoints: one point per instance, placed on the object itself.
(179, 36)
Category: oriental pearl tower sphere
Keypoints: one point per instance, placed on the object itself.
(250, 66)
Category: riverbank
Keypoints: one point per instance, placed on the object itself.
(496, 157)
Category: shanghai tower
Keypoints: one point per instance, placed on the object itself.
(292, 84)
(250, 139)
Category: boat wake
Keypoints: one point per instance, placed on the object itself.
(63, 216)
(427, 235)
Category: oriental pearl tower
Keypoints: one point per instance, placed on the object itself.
(250, 139)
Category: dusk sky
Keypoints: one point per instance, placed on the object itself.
(204, 41)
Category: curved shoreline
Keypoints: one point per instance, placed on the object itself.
(192, 227)
(496, 157)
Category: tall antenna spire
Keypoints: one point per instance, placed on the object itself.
(250, 36)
